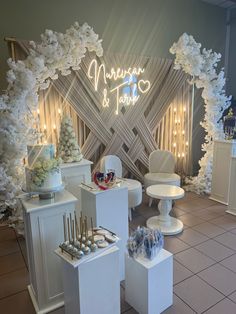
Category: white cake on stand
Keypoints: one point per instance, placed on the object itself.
(43, 174)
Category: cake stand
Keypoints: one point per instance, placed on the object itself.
(45, 194)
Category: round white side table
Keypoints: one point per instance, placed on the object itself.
(164, 222)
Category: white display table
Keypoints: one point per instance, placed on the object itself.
(73, 174)
(221, 170)
(43, 233)
(232, 191)
(109, 209)
(164, 222)
(93, 285)
(149, 283)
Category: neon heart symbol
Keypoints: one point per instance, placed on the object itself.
(144, 86)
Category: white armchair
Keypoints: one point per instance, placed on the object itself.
(161, 170)
(112, 162)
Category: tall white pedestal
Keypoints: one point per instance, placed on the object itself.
(221, 170)
(44, 232)
(109, 209)
(232, 191)
(149, 284)
(92, 286)
(73, 174)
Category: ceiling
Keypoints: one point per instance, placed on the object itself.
(228, 4)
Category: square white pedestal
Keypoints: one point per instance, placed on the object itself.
(43, 233)
(149, 283)
(223, 152)
(232, 189)
(73, 174)
(109, 209)
(92, 286)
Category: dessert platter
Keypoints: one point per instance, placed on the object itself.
(81, 242)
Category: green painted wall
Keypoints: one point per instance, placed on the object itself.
(142, 27)
(147, 27)
(232, 56)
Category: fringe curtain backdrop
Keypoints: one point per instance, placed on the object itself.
(162, 118)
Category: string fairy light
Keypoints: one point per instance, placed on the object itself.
(179, 140)
(55, 132)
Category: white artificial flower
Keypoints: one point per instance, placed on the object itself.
(57, 52)
(201, 65)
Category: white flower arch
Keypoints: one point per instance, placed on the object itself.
(57, 53)
(201, 65)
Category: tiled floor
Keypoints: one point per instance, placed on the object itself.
(204, 261)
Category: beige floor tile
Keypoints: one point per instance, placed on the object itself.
(219, 277)
(197, 294)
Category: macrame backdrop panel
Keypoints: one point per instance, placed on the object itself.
(161, 118)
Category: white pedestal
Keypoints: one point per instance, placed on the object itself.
(221, 170)
(232, 191)
(109, 209)
(73, 174)
(92, 286)
(149, 284)
(44, 232)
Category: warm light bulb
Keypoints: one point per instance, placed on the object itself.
(38, 111)
(54, 127)
(183, 155)
(179, 121)
(175, 110)
(183, 132)
(184, 109)
(45, 142)
(59, 111)
(175, 133)
(176, 121)
(174, 144)
(187, 143)
(45, 127)
(179, 155)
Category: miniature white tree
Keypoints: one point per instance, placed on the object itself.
(68, 148)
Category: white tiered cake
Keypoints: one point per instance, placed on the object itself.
(43, 173)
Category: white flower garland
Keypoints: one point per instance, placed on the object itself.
(57, 53)
(201, 65)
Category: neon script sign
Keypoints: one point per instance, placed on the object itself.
(126, 84)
